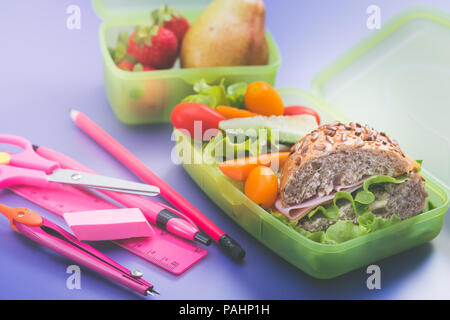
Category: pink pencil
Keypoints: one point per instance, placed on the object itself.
(228, 244)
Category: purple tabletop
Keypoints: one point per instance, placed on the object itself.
(48, 69)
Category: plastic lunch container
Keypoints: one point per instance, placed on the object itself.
(149, 97)
(387, 81)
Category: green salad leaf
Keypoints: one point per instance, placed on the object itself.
(364, 196)
(223, 147)
(429, 206)
(344, 230)
(236, 94)
(209, 150)
(211, 95)
(215, 95)
(233, 146)
(373, 223)
(332, 211)
(284, 220)
(318, 236)
(201, 98)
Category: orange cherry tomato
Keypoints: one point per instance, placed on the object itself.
(261, 98)
(261, 186)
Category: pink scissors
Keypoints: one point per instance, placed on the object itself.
(48, 234)
(29, 168)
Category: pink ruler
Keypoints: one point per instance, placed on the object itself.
(163, 249)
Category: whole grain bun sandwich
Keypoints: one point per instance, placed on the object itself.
(341, 158)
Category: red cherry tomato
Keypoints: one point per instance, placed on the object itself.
(196, 118)
(298, 110)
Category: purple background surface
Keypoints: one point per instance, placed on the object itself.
(48, 69)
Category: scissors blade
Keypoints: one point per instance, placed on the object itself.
(90, 180)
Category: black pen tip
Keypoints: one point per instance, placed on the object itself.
(231, 247)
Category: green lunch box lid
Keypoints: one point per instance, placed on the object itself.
(398, 81)
(137, 9)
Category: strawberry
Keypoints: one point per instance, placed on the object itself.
(153, 46)
(126, 65)
(140, 67)
(171, 19)
(148, 68)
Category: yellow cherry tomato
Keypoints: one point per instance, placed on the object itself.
(261, 186)
(261, 98)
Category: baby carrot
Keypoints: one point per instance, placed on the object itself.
(239, 169)
(231, 112)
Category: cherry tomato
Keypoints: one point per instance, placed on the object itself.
(261, 98)
(298, 110)
(189, 115)
(261, 186)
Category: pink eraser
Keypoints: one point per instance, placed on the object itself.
(111, 224)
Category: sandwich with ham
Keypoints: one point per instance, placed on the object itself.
(346, 172)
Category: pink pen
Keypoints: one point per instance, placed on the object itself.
(163, 216)
(48, 234)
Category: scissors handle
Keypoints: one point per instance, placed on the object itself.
(28, 158)
(11, 176)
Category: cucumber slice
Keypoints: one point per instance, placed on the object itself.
(287, 129)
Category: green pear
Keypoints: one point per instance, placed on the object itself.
(227, 33)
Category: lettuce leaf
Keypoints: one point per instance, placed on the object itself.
(364, 196)
(429, 206)
(339, 232)
(344, 230)
(332, 211)
(318, 236)
(233, 146)
(215, 95)
(373, 223)
(314, 236)
(201, 98)
(284, 220)
(236, 94)
(211, 95)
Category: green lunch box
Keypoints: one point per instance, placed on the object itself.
(149, 97)
(387, 81)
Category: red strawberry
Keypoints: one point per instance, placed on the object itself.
(153, 46)
(172, 20)
(139, 67)
(148, 68)
(126, 65)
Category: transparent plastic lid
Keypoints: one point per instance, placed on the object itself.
(398, 81)
(112, 9)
